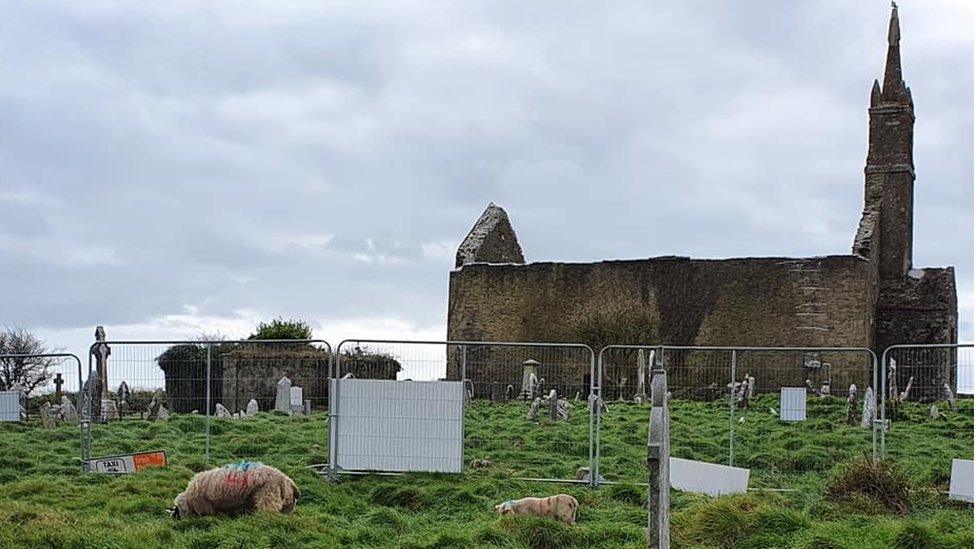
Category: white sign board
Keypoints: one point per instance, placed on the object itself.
(9, 405)
(961, 481)
(792, 404)
(398, 426)
(707, 478)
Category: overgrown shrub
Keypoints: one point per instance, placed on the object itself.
(915, 536)
(878, 480)
(281, 328)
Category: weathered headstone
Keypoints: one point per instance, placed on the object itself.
(222, 412)
(497, 392)
(562, 409)
(154, 405)
(295, 402)
(752, 389)
(870, 409)
(252, 408)
(92, 403)
(825, 389)
(934, 412)
(124, 396)
(530, 379)
(47, 417)
(533, 414)
(68, 412)
(950, 395)
(852, 404)
(110, 411)
(162, 414)
(308, 407)
(509, 392)
(658, 466)
(283, 396)
(551, 400)
(908, 388)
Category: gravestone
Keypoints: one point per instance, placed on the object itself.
(552, 405)
(530, 379)
(283, 396)
(870, 410)
(562, 409)
(47, 416)
(296, 405)
(252, 408)
(102, 352)
(58, 382)
(124, 395)
(110, 411)
(222, 412)
(68, 411)
(154, 405)
(162, 414)
(792, 404)
(533, 414)
(91, 403)
(852, 405)
(658, 466)
(497, 392)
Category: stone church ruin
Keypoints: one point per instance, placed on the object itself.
(871, 298)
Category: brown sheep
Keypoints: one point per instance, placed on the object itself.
(560, 507)
(235, 489)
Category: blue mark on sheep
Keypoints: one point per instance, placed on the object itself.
(243, 466)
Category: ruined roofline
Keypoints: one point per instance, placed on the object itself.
(665, 258)
(491, 240)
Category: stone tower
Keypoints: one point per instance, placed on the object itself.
(889, 176)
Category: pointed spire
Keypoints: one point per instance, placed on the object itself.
(894, 87)
(875, 93)
(894, 34)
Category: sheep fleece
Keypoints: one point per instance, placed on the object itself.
(560, 507)
(236, 489)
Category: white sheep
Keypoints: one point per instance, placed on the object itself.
(237, 488)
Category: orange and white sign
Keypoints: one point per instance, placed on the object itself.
(127, 463)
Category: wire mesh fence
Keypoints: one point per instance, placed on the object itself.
(824, 425)
(932, 386)
(209, 400)
(725, 405)
(697, 380)
(505, 385)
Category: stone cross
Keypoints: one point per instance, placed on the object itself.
(658, 470)
(58, 382)
(102, 351)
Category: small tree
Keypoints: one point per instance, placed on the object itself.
(280, 328)
(29, 372)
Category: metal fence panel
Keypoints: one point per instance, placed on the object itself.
(697, 380)
(930, 385)
(206, 387)
(501, 381)
(51, 381)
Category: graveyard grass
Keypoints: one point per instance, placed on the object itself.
(45, 501)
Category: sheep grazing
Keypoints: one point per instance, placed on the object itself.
(235, 489)
(560, 507)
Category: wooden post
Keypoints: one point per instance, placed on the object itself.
(658, 470)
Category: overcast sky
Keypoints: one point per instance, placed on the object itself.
(172, 169)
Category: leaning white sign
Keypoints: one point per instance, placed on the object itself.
(398, 426)
(708, 478)
(961, 481)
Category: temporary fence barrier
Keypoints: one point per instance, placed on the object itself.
(44, 384)
(931, 384)
(741, 384)
(501, 382)
(206, 388)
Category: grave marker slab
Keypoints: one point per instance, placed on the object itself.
(792, 404)
(961, 481)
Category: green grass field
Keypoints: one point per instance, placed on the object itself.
(45, 501)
